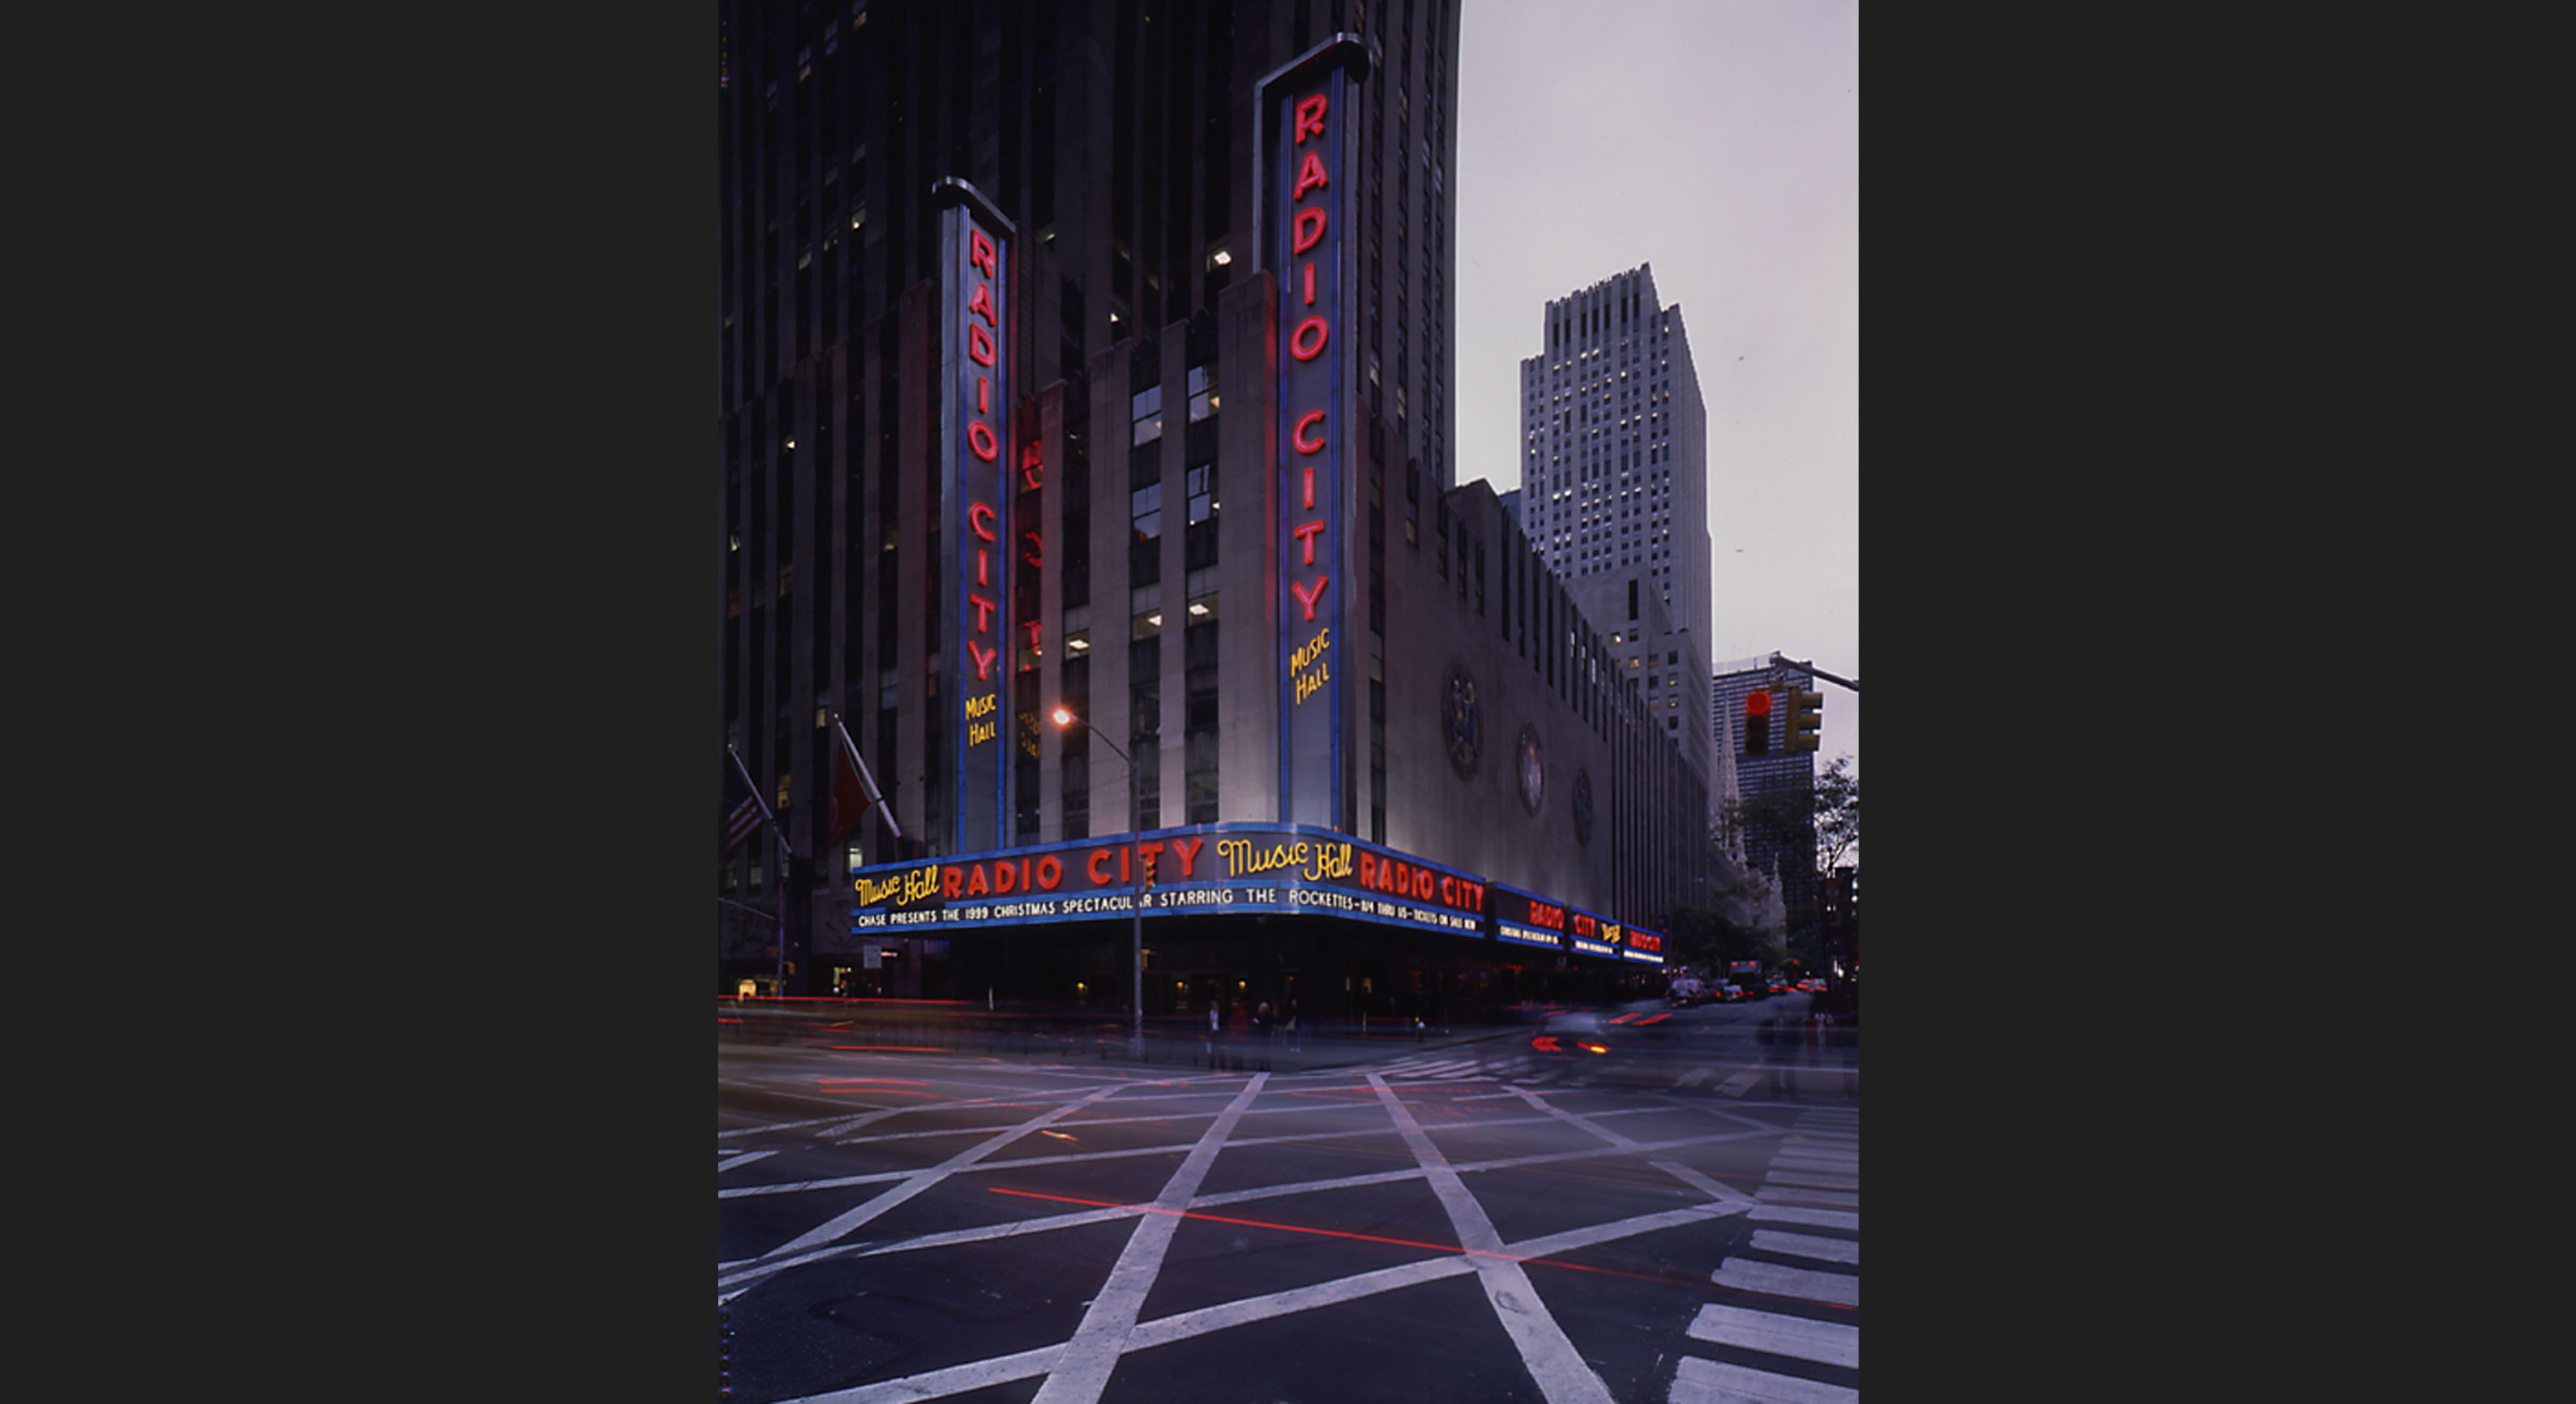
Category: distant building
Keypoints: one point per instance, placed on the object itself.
(1614, 474)
(1777, 770)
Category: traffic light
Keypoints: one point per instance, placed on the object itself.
(1806, 720)
(1757, 723)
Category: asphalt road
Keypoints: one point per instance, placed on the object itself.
(1509, 1217)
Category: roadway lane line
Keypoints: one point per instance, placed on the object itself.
(920, 1180)
(1714, 1382)
(747, 1157)
(1552, 1359)
(1734, 1199)
(879, 1177)
(1825, 1342)
(1164, 1330)
(1613, 1137)
(939, 1384)
(1082, 1371)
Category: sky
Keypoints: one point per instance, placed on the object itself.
(1719, 142)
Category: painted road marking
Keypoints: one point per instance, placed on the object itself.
(1807, 1245)
(1812, 1180)
(1816, 1218)
(1714, 1382)
(920, 1180)
(1825, 1342)
(1083, 1370)
(1841, 1288)
(1827, 1199)
(1553, 1362)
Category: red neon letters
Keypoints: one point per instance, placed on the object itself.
(1307, 225)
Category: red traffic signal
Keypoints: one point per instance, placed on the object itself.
(1757, 723)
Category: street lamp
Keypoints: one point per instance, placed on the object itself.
(1136, 884)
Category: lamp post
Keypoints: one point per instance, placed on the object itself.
(1136, 884)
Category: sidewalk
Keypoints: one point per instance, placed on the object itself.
(1089, 1038)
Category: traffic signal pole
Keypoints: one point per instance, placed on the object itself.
(1781, 661)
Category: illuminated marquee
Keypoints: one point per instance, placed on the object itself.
(1219, 868)
(1308, 108)
(1528, 920)
(978, 545)
(1643, 946)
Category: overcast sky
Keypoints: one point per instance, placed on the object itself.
(1718, 141)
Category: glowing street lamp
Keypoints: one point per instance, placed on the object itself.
(1064, 717)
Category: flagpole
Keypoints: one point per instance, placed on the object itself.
(779, 853)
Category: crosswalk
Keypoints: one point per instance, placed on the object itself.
(1432, 1067)
(1813, 1182)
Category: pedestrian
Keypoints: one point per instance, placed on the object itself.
(1210, 1045)
(1261, 1023)
(1296, 1034)
(1775, 1051)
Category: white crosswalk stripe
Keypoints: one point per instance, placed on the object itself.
(1825, 1342)
(1715, 1382)
(1422, 1069)
(1815, 1218)
(1807, 1245)
(1813, 1181)
(1840, 1288)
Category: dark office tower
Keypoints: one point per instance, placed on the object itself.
(1001, 289)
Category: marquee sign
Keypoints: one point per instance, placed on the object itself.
(1305, 199)
(1205, 869)
(977, 546)
(1528, 920)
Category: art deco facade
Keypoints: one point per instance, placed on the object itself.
(1098, 355)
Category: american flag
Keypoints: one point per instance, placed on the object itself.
(746, 817)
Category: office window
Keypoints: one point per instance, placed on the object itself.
(1203, 396)
(1146, 409)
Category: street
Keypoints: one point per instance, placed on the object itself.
(1505, 1216)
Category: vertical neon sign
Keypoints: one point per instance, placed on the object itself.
(975, 508)
(1310, 114)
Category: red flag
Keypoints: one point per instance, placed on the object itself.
(745, 818)
(854, 790)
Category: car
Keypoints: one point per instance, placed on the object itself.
(1576, 1033)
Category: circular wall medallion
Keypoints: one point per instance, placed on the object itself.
(1533, 771)
(1461, 724)
(1583, 807)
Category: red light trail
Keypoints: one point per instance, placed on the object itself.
(1332, 1233)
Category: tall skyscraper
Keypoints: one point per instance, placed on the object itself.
(961, 243)
(1614, 489)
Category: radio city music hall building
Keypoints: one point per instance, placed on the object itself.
(1096, 356)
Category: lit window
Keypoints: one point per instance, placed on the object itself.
(1147, 411)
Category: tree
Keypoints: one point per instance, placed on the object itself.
(1821, 822)
(1837, 815)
